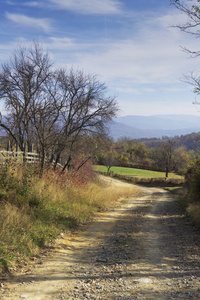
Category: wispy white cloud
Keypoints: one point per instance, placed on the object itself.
(28, 3)
(129, 59)
(128, 90)
(149, 90)
(152, 56)
(24, 20)
(89, 7)
(62, 43)
(177, 89)
(136, 53)
(33, 4)
(10, 2)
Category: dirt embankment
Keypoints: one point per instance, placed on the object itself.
(144, 250)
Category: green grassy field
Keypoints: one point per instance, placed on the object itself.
(136, 172)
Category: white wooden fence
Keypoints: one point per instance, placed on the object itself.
(19, 156)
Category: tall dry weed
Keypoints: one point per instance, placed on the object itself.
(194, 212)
(33, 211)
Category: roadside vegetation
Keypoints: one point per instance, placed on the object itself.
(188, 195)
(192, 199)
(34, 211)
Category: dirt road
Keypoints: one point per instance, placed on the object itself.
(144, 250)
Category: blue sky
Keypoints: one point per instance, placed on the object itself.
(129, 44)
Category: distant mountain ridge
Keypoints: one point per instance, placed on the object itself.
(134, 126)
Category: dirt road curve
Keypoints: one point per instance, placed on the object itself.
(144, 250)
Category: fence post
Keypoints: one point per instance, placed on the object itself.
(24, 153)
(8, 145)
(16, 150)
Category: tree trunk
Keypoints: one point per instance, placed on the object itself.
(82, 164)
(24, 153)
(56, 161)
(42, 163)
(166, 171)
(67, 165)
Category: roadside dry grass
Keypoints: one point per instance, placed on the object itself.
(34, 211)
(193, 211)
(187, 203)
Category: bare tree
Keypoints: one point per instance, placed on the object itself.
(22, 83)
(164, 155)
(58, 109)
(44, 117)
(191, 9)
(110, 159)
(84, 149)
(85, 109)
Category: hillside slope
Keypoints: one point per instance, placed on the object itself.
(154, 126)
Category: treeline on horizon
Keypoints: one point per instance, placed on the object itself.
(177, 154)
(190, 141)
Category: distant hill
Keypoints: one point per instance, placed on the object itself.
(154, 126)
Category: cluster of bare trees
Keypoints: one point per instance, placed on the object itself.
(63, 111)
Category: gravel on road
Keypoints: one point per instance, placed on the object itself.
(146, 249)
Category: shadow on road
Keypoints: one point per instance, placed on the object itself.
(146, 247)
